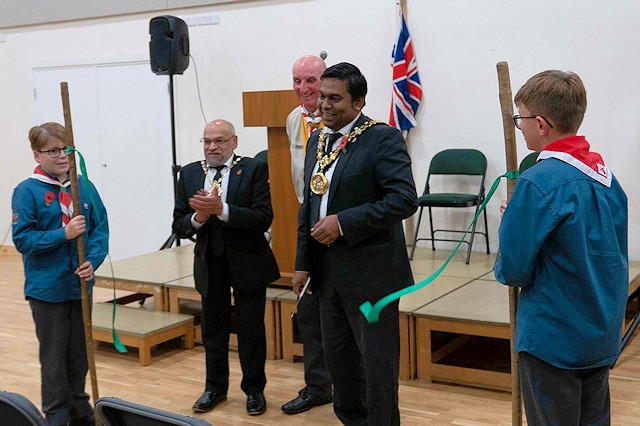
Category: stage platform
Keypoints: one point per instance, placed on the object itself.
(455, 329)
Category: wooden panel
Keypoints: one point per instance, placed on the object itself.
(284, 229)
(268, 109)
(185, 290)
(471, 377)
(290, 347)
(452, 325)
(141, 328)
(427, 361)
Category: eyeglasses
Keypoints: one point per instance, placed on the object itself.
(517, 120)
(54, 152)
(208, 142)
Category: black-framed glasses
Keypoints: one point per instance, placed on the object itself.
(208, 142)
(517, 120)
(54, 152)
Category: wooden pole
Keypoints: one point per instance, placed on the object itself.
(75, 197)
(506, 105)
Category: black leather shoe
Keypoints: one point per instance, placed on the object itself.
(208, 400)
(305, 401)
(256, 404)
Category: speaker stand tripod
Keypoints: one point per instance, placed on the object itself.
(175, 169)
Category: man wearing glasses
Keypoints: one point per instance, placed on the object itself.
(224, 200)
(563, 241)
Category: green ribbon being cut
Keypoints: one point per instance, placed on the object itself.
(83, 169)
(372, 312)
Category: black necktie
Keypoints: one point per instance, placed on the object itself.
(216, 225)
(218, 171)
(333, 137)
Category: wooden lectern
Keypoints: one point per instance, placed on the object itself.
(270, 109)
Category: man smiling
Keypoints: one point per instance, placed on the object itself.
(302, 122)
(358, 189)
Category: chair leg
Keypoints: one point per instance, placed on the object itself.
(473, 233)
(415, 237)
(433, 238)
(486, 230)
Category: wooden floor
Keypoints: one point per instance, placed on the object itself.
(176, 377)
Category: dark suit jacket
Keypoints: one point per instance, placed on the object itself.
(251, 261)
(372, 191)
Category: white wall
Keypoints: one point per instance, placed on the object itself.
(458, 44)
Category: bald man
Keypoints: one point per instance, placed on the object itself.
(225, 202)
(304, 119)
(302, 122)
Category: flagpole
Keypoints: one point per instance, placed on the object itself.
(409, 223)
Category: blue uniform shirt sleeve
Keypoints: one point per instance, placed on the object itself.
(30, 234)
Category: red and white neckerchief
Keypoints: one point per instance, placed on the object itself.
(64, 197)
(574, 150)
(309, 125)
(312, 122)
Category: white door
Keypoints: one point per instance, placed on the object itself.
(122, 127)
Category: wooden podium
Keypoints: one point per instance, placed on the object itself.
(270, 109)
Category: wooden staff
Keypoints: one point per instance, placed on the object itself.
(506, 104)
(75, 197)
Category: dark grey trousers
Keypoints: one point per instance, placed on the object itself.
(316, 376)
(63, 360)
(555, 396)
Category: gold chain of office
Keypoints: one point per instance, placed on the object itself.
(217, 184)
(319, 182)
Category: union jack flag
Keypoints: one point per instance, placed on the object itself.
(407, 91)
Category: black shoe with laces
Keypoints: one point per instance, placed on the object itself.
(305, 401)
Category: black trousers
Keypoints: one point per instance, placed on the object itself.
(555, 396)
(216, 327)
(316, 376)
(362, 358)
(63, 360)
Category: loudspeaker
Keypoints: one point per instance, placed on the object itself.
(169, 45)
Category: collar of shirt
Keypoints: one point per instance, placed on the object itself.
(312, 114)
(344, 130)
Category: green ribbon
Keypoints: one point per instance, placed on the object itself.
(114, 334)
(372, 312)
(83, 169)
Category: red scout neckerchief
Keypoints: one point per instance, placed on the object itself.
(309, 125)
(574, 150)
(66, 206)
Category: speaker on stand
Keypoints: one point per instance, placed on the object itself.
(169, 53)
